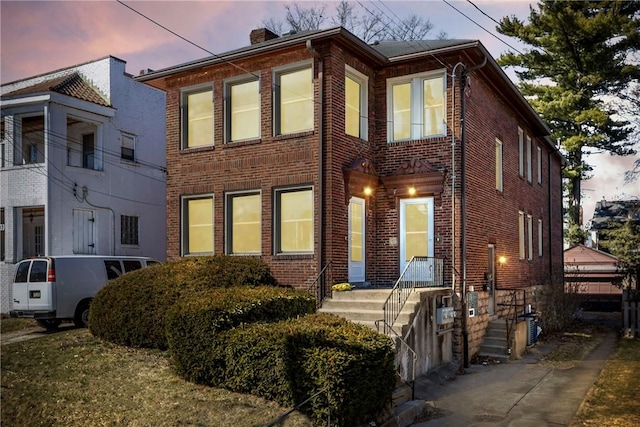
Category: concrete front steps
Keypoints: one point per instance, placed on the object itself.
(364, 306)
(495, 345)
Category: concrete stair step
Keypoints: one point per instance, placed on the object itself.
(363, 304)
(502, 358)
(493, 349)
(370, 315)
(501, 341)
(405, 415)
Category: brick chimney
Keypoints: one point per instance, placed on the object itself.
(260, 35)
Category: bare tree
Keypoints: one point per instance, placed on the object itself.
(303, 19)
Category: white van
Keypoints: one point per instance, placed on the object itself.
(56, 288)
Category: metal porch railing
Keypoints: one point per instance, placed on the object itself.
(411, 358)
(321, 286)
(421, 272)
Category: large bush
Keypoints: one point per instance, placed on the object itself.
(289, 361)
(131, 309)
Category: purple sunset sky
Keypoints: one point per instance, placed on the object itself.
(41, 36)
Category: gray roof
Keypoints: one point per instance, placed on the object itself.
(617, 211)
(393, 48)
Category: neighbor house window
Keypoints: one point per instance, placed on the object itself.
(88, 151)
(243, 109)
(32, 133)
(540, 241)
(539, 164)
(521, 237)
(197, 118)
(294, 100)
(529, 168)
(294, 220)
(520, 152)
(355, 108)
(530, 237)
(197, 225)
(498, 165)
(128, 230)
(243, 212)
(128, 147)
(416, 106)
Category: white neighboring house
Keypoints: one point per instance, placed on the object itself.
(82, 166)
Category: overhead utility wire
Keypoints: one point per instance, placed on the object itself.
(482, 12)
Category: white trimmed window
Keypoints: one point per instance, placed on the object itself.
(129, 230)
(294, 220)
(416, 106)
(356, 87)
(197, 117)
(499, 180)
(128, 147)
(242, 109)
(243, 211)
(520, 152)
(530, 236)
(540, 239)
(529, 169)
(521, 237)
(294, 104)
(197, 225)
(539, 164)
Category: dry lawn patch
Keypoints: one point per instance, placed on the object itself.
(70, 378)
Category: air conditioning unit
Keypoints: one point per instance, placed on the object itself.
(532, 331)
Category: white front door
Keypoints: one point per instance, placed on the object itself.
(356, 240)
(84, 232)
(416, 229)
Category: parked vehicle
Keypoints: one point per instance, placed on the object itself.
(56, 288)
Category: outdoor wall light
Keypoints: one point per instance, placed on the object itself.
(368, 191)
(412, 191)
(502, 260)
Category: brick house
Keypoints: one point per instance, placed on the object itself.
(316, 150)
(82, 163)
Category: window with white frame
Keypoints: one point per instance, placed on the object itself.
(242, 109)
(529, 168)
(128, 147)
(294, 220)
(294, 104)
(416, 106)
(2, 226)
(197, 117)
(243, 228)
(129, 230)
(197, 225)
(539, 164)
(520, 152)
(356, 87)
(530, 237)
(499, 180)
(540, 240)
(521, 236)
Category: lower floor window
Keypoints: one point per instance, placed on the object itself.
(197, 225)
(128, 230)
(294, 220)
(243, 223)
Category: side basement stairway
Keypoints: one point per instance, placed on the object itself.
(494, 345)
(364, 306)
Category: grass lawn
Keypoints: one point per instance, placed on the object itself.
(614, 400)
(70, 378)
(11, 325)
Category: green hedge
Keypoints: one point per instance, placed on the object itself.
(289, 361)
(131, 309)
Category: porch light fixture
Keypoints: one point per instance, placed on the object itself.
(368, 191)
(502, 260)
(412, 191)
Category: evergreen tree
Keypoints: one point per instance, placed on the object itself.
(581, 53)
(623, 242)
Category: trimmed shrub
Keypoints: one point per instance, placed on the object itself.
(291, 360)
(131, 309)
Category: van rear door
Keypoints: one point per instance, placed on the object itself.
(21, 286)
(40, 288)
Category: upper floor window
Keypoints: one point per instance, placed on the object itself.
(294, 220)
(539, 164)
(416, 106)
(294, 100)
(520, 152)
(197, 225)
(197, 117)
(83, 143)
(243, 109)
(243, 211)
(89, 151)
(128, 230)
(128, 147)
(499, 179)
(529, 165)
(355, 96)
(32, 138)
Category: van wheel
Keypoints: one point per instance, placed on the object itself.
(81, 319)
(49, 324)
